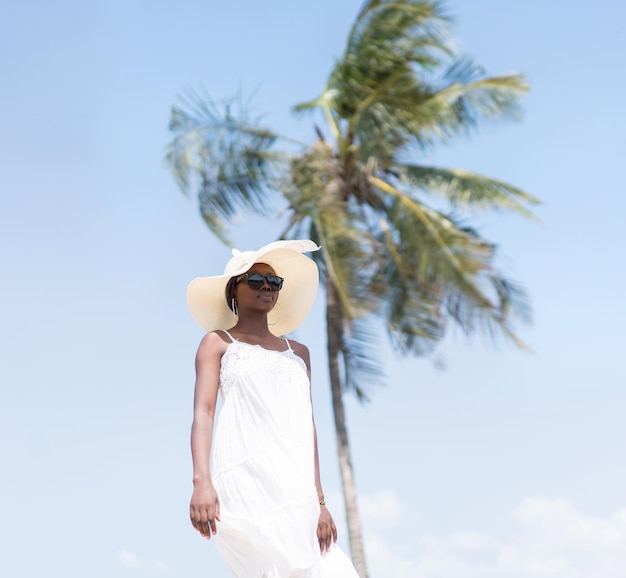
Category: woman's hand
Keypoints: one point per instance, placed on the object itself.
(326, 529)
(204, 509)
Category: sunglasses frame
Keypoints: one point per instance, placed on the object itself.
(275, 285)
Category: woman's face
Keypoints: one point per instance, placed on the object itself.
(262, 299)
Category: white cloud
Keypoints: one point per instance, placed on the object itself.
(381, 508)
(131, 561)
(459, 541)
(548, 538)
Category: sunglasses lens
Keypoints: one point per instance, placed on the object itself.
(275, 283)
(256, 281)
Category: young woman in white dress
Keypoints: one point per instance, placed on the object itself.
(256, 477)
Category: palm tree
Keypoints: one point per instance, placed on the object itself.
(397, 258)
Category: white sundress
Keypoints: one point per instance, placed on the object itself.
(262, 466)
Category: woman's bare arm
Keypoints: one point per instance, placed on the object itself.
(204, 506)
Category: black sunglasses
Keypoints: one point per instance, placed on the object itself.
(256, 281)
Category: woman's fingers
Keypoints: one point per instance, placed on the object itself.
(329, 538)
(326, 534)
(208, 522)
(196, 519)
(211, 526)
(215, 516)
(326, 530)
(203, 520)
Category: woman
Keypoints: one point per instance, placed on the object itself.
(260, 492)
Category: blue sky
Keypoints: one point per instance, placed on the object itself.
(504, 464)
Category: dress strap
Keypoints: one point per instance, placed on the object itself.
(229, 335)
(288, 344)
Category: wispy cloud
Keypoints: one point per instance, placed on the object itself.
(384, 507)
(548, 538)
(130, 560)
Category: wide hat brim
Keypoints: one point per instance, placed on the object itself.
(206, 296)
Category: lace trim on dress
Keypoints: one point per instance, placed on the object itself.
(241, 355)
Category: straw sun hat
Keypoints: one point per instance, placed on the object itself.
(206, 296)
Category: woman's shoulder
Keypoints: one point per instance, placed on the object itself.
(215, 342)
(300, 349)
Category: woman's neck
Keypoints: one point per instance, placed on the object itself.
(254, 327)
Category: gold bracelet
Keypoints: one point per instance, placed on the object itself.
(322, 503)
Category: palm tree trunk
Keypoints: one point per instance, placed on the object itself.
(334, 329)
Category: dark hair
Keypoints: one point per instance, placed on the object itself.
(230, 294)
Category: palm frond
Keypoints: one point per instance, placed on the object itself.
(222, 153)
(394, 22)
(363, 367)
(457, 108)
(421, 115)
(410, 307)
(399, 85)
(437, 269)
(458, 253)
(391, 40)
(386, 41)
(467, 189)
(323, 102)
